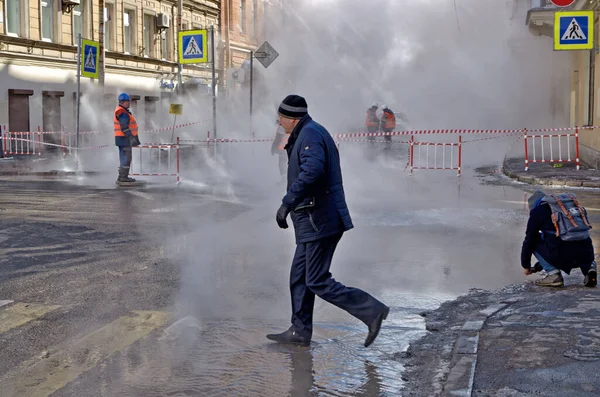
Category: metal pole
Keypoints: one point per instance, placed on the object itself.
(214, 80)
(101, 43)
(179, 29)
(77, 108)
(251, 88)
(251, 79)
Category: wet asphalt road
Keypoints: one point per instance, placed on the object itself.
(169, 291)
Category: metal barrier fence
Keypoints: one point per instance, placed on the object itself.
(436, 155)
(156, 160)
(21, 143)
(554, 150)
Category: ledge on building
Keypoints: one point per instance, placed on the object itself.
(540, 21)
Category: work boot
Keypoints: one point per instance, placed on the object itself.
(375, 326)
(591, 278)
(123, 175)
(290, 337)
(551, 280)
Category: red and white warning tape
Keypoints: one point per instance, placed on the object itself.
(459, 131)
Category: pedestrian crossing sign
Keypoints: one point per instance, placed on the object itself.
(574, 30)
(193, 46)
(89, 58)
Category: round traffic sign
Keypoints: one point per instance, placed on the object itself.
(562, 3)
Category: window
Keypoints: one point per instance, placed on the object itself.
(108, 13)
(13, 17)
(18, 110)
(148, 34)
(254, 12)
(243, 16)
(164, 45)
(128, 30)
(51, 119)
(77, 22)
(47, 19)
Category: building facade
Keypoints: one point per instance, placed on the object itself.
(584, 75)
(38, 47)
(241, 29)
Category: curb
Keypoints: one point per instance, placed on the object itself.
(461, 376)
(556, 182)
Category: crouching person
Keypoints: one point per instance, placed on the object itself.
(558, 236)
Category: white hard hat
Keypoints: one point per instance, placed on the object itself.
(384, 106)
(374, 105)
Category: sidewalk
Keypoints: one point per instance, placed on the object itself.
(546, 174)
(522, 341)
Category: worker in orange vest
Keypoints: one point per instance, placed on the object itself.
(126, 136)
(278, 146)
(388, 123)
(372, 121)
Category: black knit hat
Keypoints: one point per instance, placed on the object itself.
(293, 107)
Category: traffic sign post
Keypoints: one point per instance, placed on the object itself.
(88, 59)
(90, 51)
(265, 54)
(193, 46)
(176, 109)
(573, 30)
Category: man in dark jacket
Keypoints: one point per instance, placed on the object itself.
(552, 253)
(315, 198)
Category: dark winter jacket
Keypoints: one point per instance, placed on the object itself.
(540, 237)
(314, 190)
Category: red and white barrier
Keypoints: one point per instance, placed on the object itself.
(21, 143)
(457, 132)
(435, 155)
(551, 148)
(149, 160)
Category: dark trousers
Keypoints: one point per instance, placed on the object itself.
(125, 156)
(310, 276)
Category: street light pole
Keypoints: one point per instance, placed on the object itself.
(179, 29)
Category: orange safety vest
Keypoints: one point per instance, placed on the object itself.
(390, 121)
(133, 127)
(372, 120)
(283, 142)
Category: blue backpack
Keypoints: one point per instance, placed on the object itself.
(569, 217)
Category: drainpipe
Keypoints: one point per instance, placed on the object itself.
(227, 46)
(101, 43)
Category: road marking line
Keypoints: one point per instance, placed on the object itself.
(4, 303)
(22, 313)
(141, 194)
(45, 377)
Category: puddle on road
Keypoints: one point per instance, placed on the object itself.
(233, 358)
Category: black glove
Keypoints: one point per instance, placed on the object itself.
(134, 141)
(282, 213)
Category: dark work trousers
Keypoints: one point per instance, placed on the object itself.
(310, 276)
(125, 156)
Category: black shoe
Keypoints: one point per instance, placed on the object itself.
(591, 279)
(375, 326)
(290, 336)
